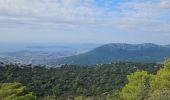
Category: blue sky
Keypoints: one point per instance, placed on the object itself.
(85, 21)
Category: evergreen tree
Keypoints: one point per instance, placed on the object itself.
(15, 91)
(138, 86)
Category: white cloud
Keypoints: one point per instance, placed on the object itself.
(58, 11)
(149, 16)
(165, 4)
(146, 16)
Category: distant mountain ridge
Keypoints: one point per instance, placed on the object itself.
(120, 52)
(125, 46)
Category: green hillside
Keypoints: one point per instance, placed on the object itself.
(70, 80)
(120, 52)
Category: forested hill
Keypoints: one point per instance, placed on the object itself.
(120, 52)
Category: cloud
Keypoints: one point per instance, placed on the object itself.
(149, 16)
(145, 16)
(165, 4)
(57, 11)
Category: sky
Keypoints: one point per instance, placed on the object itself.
(85, 21)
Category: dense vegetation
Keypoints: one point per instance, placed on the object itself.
(144, 86)
(69, 81)
(119, 52)
(15, 91)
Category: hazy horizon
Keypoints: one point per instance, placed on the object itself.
(53, 47)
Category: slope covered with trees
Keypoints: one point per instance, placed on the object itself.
(145, 86)
(119, 52)
(73, 81)
(145, 81)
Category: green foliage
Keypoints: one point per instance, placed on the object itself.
(79, 98)
(160, 85)
(116, 95)
(49, 98)
(15, 91)
(160, 94)
(144, 86)
(73, 80)
(167, 63)
(138, 86)
(100, 82)
(161, 80)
